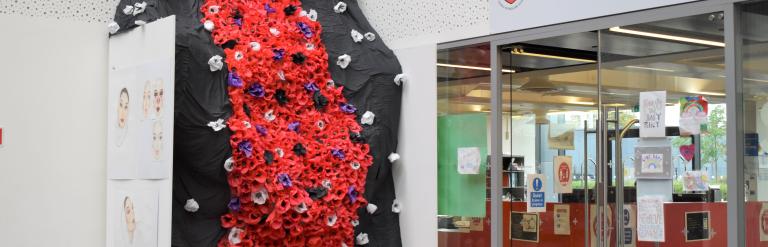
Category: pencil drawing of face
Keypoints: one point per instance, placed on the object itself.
(157, 140)
(122, 108)
(158, 93)
(130, 217)
(147, 100)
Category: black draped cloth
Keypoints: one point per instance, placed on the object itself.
(369, 85)
(201, 97)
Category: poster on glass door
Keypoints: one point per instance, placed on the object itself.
(563, 166)
(652, 109)
(536, 194)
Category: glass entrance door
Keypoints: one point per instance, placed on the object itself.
(662, 95)
(550, 117)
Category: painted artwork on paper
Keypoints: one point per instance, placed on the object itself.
(695, 181)
(653, 162)
(693, 114)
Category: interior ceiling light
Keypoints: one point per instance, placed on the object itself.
(539, 84)
(471, 67)
(649, 68)
(522, 52)
(667, 37)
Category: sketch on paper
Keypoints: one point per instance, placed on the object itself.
(650, 218)
(141, 133)
(137, 218)
(652, 108)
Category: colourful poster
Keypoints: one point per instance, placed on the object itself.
(650, 218)
(695, 181)
(536, 194)
(652, 108)
(562, 219)
(693, 114)
(563, 166)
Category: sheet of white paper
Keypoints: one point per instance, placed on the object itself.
(563, 166)
(469, 160)
(652, 109)
(650, 218)
(562, 219)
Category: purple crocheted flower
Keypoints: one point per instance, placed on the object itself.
(338, 153)
(352, 193)
(278, 54)
(269, 9)
(262, 131)
(256, 90)
(285, 180)
(305, 29)
(234, 204)
(246, 148)
(234, 80)
(294, 126)
(348, 108)
(310, 86)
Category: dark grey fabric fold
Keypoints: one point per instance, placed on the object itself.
(369, 85)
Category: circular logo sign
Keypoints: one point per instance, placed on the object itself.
(510, 4)
(564, 174)
(764, 221)
(626, 217)
(536, 184)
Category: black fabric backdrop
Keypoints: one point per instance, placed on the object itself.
(201, 97)
(369, 85)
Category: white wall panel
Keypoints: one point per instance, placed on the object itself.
(53, 108)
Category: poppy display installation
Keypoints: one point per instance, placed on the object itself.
(298, 173)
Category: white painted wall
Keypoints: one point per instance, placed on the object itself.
(53, 108)
(415, 173)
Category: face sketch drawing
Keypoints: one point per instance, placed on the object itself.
(157, 140)
(122, 109)
(158, 93)
(147, 103)
(130, 218)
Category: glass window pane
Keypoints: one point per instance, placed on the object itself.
(464, 146)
